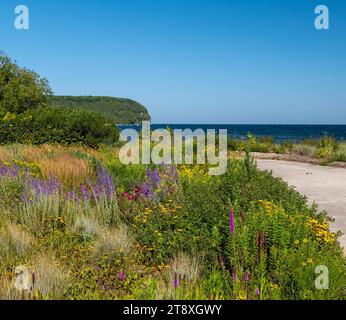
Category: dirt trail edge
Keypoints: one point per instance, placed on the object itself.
(324, 185)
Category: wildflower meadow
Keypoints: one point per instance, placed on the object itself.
(90, 227)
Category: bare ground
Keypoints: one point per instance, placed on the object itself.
(326, 186)
(297, 158)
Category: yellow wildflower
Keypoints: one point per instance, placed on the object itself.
(242, 295)
(273, 286)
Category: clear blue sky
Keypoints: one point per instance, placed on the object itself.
(190, 61)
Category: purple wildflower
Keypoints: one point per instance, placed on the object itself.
(51, 186)
(246, 277)
(41, 187)
(122, 275)
(71, 196)
(36, 185)
(103, 188)
(147, 191)
(234, 276)
(160, 183)
(258, 292)
(105, 182)
(176, 281)
(231, 222)
(85, 193)
(97, 192)
(154, 177)
(25, 199)
(9, 171)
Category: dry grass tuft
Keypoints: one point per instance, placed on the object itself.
(66, 168)
(184, 270)
(110, 240)
(185, 267)
(304, 150)
(51, 280)
(7, 291)
(14, 240)
(7, 154)
(87, 226)
(32, 154)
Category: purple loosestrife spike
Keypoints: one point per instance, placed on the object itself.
(246, 277)
(234, 276)
(122, 275)
(176, 281)
(258, 292)
(231, 222)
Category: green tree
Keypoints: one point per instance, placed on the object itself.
(27, 117)
(58, 125)
(20, 89)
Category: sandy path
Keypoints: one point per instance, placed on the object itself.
(324, 185)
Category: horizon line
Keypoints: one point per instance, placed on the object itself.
(243, 124)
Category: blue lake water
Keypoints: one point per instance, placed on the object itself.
(294, 133)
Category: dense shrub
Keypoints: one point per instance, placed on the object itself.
(26, 118)
(253, 144)
(53, 125)
(327, 146)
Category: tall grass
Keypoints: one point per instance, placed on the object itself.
(66, 168)
(304, 150)
(14, 241)
(87, 226)
(114, 239)
(341, 153)
(51, 279)
(7, 154)
(46, 213)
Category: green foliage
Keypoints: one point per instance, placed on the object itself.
(168, 236)
(253, 144)
(121, 111)
(341, 153)
(54, 125)
(284, 147)
(98, 279)
(125, 176)
(284, 248)
(26, 118)
(21, 89)
(327, 147)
